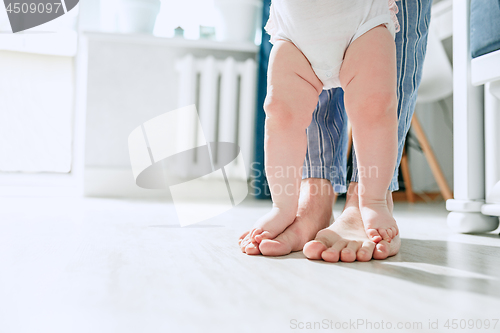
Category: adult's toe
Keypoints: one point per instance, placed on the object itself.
(365, 253)
(313, 249)
(382, 250)
(332, 254)
(348, 254)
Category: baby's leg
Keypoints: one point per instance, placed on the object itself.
(368, 76)
(292, 95)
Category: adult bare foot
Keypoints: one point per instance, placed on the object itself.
(314, 213)
(346, 239)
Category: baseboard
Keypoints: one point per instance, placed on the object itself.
(120, 183)
(400, 196)
(116, 182)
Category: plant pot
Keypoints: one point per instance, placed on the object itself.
(239, 19)
(138, 16)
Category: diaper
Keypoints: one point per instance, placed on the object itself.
(323, 29)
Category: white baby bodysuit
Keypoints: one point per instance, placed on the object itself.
(323, 29)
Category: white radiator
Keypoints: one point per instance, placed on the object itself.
(224, 92)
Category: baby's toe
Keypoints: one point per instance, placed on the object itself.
(255, 232)
(385, 235)
(243, 236)
(390, 233)
(264, 235)
(244, 243)
(252, 249)
(374, 235)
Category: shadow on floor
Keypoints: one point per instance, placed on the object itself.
(441, 264)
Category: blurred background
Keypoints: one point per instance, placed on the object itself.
(73, 89)
(84, 249)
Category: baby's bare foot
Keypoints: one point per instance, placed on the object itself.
(267, 227)
(378, 221)
(345, 240)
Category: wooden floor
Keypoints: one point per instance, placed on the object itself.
(102, 265)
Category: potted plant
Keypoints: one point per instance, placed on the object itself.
(239, 19)
(138, 16)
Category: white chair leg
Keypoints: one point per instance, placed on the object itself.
(468, 139)
(492, 149)
(471, 222)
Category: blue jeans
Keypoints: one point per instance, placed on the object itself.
(327, 134)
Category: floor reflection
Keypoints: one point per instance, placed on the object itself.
(442, 264)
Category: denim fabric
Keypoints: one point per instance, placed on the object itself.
(327, 135)
(484, 27)
(259, 181)
(327, 140)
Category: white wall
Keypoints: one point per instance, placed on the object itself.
(437, 122)
(36, 103)
(130, 80)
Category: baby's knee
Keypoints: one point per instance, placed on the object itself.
(380, 106)
(384, 104)
(280, 114)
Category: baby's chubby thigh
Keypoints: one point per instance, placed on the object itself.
(292, 88)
